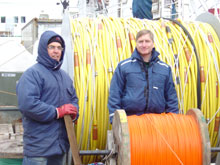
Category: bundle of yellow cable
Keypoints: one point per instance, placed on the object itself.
(209, 68)
(100, 43)
(206, 46)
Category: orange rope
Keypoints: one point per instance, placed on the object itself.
(164, 139)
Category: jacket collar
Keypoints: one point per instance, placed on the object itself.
(154, 56)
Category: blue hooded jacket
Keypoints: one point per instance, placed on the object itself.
(139, 89)
(41, 89)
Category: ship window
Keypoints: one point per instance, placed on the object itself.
(23, 19)
(3, 19)
(16, 19)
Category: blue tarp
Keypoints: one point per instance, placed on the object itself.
(142, 9)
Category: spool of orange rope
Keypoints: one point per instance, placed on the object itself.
(161, 138)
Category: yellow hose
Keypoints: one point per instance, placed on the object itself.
(106, 41)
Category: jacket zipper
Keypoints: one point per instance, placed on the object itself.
(147, 88)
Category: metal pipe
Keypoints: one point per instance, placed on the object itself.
(94, 152)
(107, 152)
(215, 149)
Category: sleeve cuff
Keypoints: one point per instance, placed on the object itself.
(57, 113)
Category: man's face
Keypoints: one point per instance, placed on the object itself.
(55, 50)
(144, 45)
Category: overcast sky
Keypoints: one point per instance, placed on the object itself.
(19, 7)
(29, 2)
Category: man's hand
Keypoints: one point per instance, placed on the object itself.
(66, 109)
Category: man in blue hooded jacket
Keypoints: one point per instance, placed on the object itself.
(45, 94)
(143, 83)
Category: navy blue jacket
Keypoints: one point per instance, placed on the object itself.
(41, 89)
(142, 9)
(139, 89)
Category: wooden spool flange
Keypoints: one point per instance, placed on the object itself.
(121, 137)
(206, 147)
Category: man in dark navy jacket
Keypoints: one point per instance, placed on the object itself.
(45, 94)
(143, 83)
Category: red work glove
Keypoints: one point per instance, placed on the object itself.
(67, 109)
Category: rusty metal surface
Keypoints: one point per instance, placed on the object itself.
(11, 140)
(11, 132)
(11, 148)
(6, 131)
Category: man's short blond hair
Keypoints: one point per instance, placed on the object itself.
(143, 32)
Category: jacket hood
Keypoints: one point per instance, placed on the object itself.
(43, 56)
(137, 55)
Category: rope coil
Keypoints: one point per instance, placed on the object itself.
(162, 138)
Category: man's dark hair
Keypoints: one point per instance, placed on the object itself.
(143, 32)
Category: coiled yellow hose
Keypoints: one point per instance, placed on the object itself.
(100, 43)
